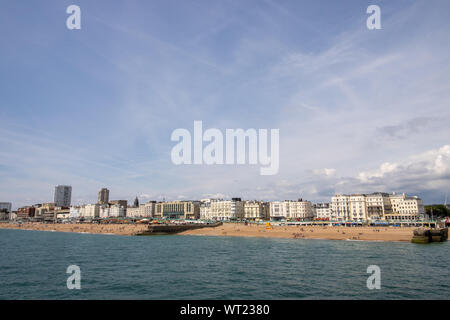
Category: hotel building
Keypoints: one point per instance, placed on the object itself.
(224, 210)
(406, 208)
(340, 207)
(178, 209)
(358, 208)
(256, 210)
(146, 210)
(322, 211)
(291, 210)
(90, 211)
(378, 205)
(75, 212)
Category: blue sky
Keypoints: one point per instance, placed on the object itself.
(358, 110)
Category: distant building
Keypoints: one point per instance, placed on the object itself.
(178, 209)
(205, 208)
(358, 208)
(122, 203)
(378, 205)
(146, 210)
(90, 211)
(322, 211)
(5, 206)
(63, 195)
(117, 211)
(406, 208)
(62, 213)
(340, 207)
(25, 212)
(349, 207)
(291, 210)
(226, 209)
(256, 210)
(75, 212)
(103, 196)
(45, 209)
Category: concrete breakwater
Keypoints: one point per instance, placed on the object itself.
(430, 235)
(158, 229)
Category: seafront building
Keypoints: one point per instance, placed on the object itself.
(205, 208)
(62, 196)
(90, 211)
(322, 211)
(406, 208)
(256, 210)
(342, 208)
(26, 212)
(75, 212)
(291, 210)
(224, 210)
(117, 211)
(5, 209)
(146, 210)
(178, 209)
(376, 206)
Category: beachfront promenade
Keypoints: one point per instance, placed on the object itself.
(236, 230)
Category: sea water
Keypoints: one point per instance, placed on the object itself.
(33, 265)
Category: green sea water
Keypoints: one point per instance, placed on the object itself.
(33, 265)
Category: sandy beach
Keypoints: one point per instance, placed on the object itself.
(308, 232)
(237, 230)
(119, 229)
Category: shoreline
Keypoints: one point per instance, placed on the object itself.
(381, 234)
(82, 228)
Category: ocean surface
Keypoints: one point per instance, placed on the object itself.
(33, 265)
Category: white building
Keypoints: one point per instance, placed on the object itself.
(322, 211)
(340, 207)
(63, 195)
(358, 208)
(146, 210)
(291, 210)
(406, 208)
(205, 208)
(226, 209)
(256, 210)
(75, 212)
(117, 211)
(104, 211)
(378, 206)
(90, 211)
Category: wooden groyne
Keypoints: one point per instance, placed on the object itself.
(158, 229)
(430, 235)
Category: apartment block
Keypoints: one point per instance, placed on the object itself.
(226, 210)
(322, 211)
(256, 210)
(178, 209)
(291, 210)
